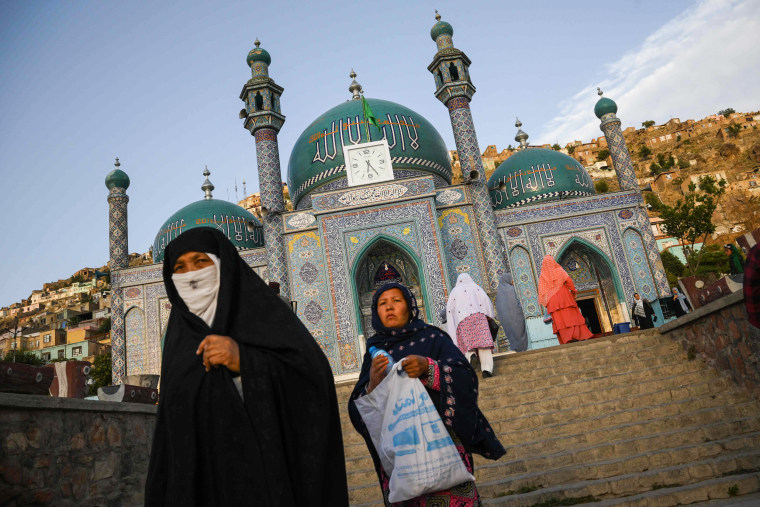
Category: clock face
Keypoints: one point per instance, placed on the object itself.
(368, 164)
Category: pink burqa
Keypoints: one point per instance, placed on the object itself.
(556, 291)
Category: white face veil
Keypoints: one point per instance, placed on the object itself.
(200, 289)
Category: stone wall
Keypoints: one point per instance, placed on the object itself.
(721, 335)
(67, 452)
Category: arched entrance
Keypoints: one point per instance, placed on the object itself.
(384, 261)
(600, 297)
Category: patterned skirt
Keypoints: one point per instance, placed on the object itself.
(473, 333)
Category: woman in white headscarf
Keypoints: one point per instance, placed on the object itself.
(466, 313)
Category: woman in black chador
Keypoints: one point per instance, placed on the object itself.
(248, 412)
(448, 377)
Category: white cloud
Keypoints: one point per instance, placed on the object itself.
(704, 60)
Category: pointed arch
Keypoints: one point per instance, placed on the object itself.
(135, 338)
(575, 240)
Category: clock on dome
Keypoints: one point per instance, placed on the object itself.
(368, 163)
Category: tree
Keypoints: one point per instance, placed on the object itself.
(655, 168)
(733, 130)
(690, 219)
(105, 326)
(714, 261)
(571, 150)
(24, 357)
(601, 186)
(647, 123)
(100, 373)
(603, 154)
(511, 148)
(556, 147)
(644, 151)
(654, 202)
(726, 111)
(674, 268)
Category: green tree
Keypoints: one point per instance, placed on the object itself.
(654, 202)
(105, 326)
(556, 147)
(655, 168)
(603, 154)
(571, 150)
(690, 219)
(601, 186)
(726, 111)
(24, 357)
(674, 268)
(647, 124)
(100, 373)
(733, 130)
(644, 151)
(714, 261)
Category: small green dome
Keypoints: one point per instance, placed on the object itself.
(317, 156)
(536, 175)
(238, 224)
(117, 179)
(258, 55)
(441, 28)
(605, 106)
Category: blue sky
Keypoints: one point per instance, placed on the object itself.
(157, 84)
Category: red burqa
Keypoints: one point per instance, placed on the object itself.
(556, 292)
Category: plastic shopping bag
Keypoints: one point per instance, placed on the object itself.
(414, 446)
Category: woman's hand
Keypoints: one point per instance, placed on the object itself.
(377, 371)
(220, 350)
(415, 366)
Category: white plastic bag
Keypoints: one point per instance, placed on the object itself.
(414, 446)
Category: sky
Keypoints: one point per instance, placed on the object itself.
(158, 83)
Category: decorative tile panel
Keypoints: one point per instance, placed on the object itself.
(525, 281)
(366, 225)
(382, 192)
(135, 341)
(637, 256)
(460, 244)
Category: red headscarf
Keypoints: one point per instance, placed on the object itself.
(552, 277)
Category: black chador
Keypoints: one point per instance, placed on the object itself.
(279, 443)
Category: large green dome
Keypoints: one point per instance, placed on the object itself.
(238, 224)
(538, 175)
(317, 156)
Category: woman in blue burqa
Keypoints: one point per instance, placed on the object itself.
(248, 412)
(510, 313)
(449, 379)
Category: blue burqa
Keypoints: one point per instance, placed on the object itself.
(510, 314)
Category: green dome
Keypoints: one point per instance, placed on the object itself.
(605, 106)
(441, 28)
(117, 179)
(258, 55)
(538, 175)
(238, 224)
(317, 156)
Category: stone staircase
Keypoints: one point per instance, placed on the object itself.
(621, 420)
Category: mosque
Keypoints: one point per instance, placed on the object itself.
(376, 204)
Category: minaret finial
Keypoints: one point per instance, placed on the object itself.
(257, 42)
(521, 137)
(117, 164)
(207, 186)
(599, 91)
(437, 16)
(355, 88)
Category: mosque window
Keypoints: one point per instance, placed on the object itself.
(454, 72)
(258, 102)
(271, 101)
(440, 78)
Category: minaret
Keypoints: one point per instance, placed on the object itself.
(117, 183)
(605, 110)
(264, 120)
(455, 89)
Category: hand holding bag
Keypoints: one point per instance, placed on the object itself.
(412, 442)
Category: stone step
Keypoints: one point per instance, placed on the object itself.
(536, 414)
(615, 460)
(626, 485)
(661, 449)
